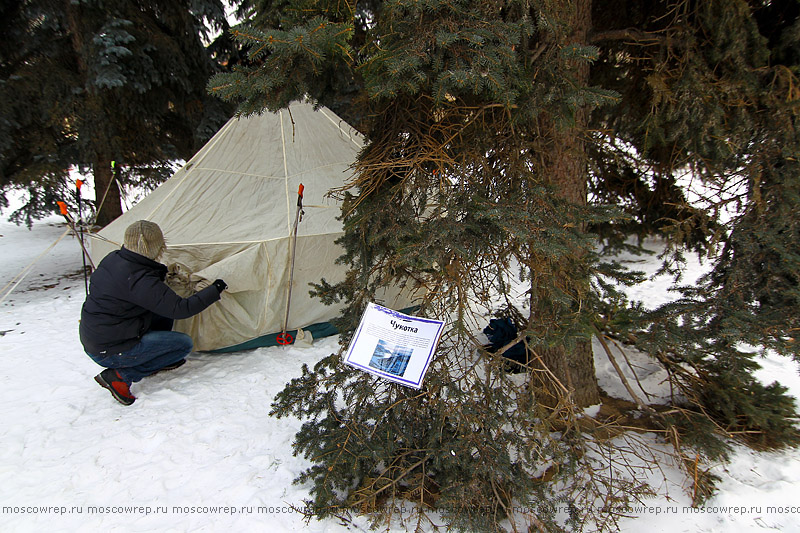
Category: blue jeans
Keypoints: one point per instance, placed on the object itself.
(155, 350)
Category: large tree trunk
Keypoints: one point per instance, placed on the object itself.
(565, 167)
(107, 196)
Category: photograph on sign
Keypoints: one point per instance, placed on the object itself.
(391, 358)
(393, 345)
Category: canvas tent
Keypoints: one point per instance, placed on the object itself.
(229, 213)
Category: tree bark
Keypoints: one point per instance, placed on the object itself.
(108, 203)
(565, 166)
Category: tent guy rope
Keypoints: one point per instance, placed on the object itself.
(16, 280)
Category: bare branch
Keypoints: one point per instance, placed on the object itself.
(628, 34)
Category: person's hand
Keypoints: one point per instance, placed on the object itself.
(220, 285)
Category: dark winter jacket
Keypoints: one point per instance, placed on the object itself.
(125, 292)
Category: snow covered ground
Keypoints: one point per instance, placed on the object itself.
(198, 450)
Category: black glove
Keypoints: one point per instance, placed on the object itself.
(220, 285)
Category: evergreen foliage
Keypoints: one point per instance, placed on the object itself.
(504, 140)
(88, 82)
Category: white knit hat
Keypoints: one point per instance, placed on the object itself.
(145, 238)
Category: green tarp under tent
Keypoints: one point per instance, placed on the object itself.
(229, 213)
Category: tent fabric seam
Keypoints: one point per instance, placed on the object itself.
(286, 177)
(186, 172)
(219, 243)
(299, 237)
(265, 176)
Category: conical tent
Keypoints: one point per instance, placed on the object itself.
(230, 211)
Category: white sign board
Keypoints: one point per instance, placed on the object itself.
(394, 346)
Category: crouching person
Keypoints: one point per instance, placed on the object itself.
(126, 320)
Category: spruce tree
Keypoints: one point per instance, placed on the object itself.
(513, 142)
(87, 83)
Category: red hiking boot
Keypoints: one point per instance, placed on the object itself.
(119, 389)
